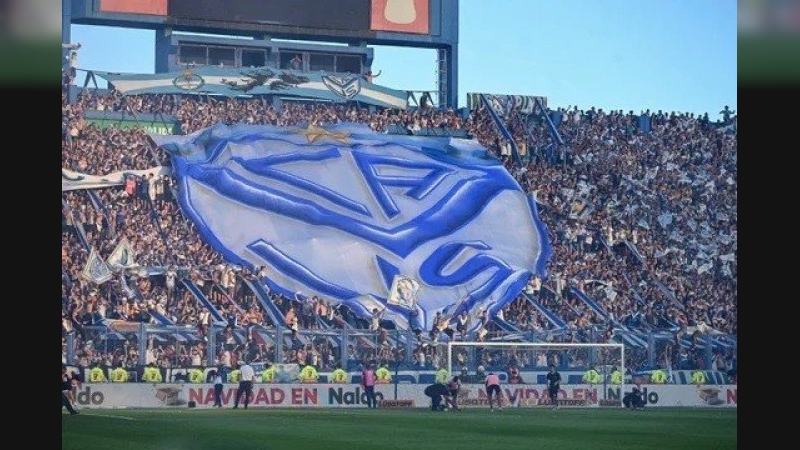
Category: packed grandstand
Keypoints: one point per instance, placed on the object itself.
(640, 209)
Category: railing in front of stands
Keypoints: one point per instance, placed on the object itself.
(133, 345)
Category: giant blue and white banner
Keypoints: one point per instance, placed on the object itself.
(340, 212)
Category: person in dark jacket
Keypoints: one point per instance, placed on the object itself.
(66, 390)
(437, 392)
(635, 398)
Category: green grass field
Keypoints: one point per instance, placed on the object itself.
(354, 429)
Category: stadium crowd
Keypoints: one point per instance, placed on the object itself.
(615, 200)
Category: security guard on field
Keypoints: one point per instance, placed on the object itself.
(152, 374)
(196, 375)
(235, 375)
(309, 374)
(382, 375)
(338, 375)
(268, 375)
(658, 376)
(97, 374)
(698, 377)
(442, 375)
(119, 375)
(592, 376)
(616, 376)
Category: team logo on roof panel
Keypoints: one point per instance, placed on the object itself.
(189, 81)
(345, 86)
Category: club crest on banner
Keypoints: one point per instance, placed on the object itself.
(96, 270)
(189, 81)
(407, 224)
(346, 86)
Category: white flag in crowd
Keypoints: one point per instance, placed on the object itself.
(404, 292)
(96, 270)
(123, 257)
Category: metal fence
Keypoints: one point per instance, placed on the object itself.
(133, 345)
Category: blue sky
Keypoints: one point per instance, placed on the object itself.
(675, 55)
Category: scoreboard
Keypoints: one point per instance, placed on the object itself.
(376, 21)
(350, 15)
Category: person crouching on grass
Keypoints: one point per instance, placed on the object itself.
(493, 389)
(453, 387)
(437, 392)
(66, 390)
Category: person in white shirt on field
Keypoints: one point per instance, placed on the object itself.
(245, 384)
(217, 382)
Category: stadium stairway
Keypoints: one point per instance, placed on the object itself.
(633, 290)
(151, 147)
(262, 338)
(501, 127)
(134, 289)
(174, 334)
(529, 124)
(130, 288)
(198, 294)
(218, 288)
(549, 121)
(603, 241)
(273, 312)
(630, 338)
(549, 315)
(505, 325)
(590, 302)
(160, 318)
(666, 291)
(532, 148)
(634, 251)
(324, 325)
(97, 203)
(341, 324)
(66, 278)
(100, 207)
(669, 294)
(724, 342)
(154, 218)
(240, 336)
(626, 334)
(78, 227)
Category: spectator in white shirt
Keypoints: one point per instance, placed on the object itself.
(377, 315)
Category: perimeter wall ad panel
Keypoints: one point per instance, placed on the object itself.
(166, 395)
